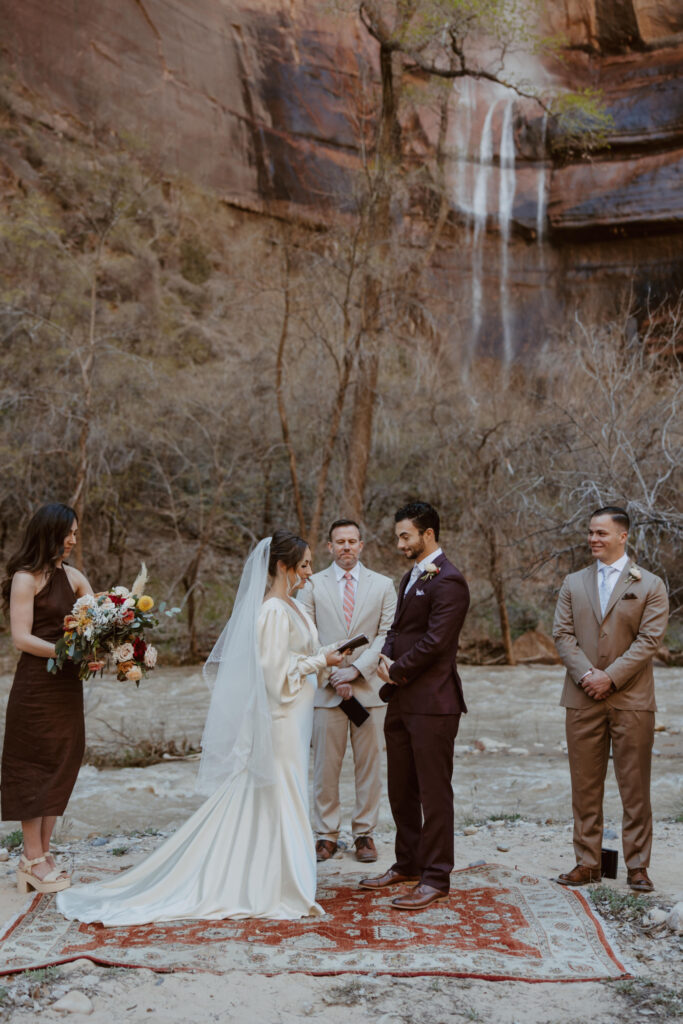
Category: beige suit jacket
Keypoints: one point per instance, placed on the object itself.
(622, 642)
(373, 613)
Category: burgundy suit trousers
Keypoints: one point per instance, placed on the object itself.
(419, 769)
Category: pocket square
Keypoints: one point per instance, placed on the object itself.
(629, 597)
(419, 593)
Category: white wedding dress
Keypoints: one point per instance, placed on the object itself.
(248, 851)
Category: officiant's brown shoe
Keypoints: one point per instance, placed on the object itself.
(366, 851)
(418, 898)
(324, 849)
(389, 877)
(639, 880)
(580, 875)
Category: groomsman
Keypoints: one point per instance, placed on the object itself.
(609, 621)
(344, 600)
(425, 698)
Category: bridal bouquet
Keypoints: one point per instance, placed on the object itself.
(110, 624)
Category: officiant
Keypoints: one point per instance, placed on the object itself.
(348, 599)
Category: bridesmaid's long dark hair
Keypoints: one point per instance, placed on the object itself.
(41, 545)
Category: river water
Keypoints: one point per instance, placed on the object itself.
(513, 714)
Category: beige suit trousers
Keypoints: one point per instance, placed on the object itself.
(331, 729)
(590, 731)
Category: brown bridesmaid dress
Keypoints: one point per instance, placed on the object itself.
(44, 727)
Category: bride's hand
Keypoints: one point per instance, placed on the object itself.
(334, 658)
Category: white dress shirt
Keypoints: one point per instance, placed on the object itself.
(341, 581)
(612, 576)
(420, 567)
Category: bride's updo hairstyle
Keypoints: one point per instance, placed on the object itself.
(285, 547)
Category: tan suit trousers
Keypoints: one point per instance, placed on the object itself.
(331, 730)
(590, 731)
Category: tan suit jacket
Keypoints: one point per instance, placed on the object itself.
(622, 642)
(373, 613)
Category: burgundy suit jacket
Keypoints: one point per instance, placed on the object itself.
(423, 641)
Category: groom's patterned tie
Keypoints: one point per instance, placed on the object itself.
(348, 598)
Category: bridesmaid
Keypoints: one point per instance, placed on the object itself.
(44, 726)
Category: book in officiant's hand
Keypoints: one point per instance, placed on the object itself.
(352, 643)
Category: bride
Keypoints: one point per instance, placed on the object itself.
(248, 850)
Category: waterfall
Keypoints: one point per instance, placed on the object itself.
(540, 209)
(479, 213)
(506, 197)
(480, 197)
(460, 147)
(541, 193)
(476, 193)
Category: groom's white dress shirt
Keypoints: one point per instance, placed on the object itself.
(420, 567)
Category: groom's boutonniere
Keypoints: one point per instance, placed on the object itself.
(634, 574)
(430, 571)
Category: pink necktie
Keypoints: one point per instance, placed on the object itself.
(348, 598)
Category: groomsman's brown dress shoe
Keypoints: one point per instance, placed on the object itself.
(580, 875)
(418, 898)
(324, 849)
(366, 851)
(389, 877)
(639, 880)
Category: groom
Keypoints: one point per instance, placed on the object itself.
(425, 701)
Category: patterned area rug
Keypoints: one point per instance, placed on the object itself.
(498, 924)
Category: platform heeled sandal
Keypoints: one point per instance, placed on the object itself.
(54, 881)
(51, 859)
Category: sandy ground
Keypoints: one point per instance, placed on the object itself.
(510, 760)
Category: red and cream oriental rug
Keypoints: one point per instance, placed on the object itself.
(497, 924)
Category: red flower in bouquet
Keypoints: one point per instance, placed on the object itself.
(139, 648)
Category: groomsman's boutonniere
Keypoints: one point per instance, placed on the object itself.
(634, 574)
(430, 571)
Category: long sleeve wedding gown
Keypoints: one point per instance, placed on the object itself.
(248, 851)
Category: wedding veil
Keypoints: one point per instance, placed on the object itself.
(237, 732)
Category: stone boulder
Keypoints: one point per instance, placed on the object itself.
(535, 648)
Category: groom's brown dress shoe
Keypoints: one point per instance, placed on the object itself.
(580, 875)
(324, 849)
(389, 877)
(418, 898)
(366, 851)
(639, 880)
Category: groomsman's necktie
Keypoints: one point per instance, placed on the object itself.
(348, 598)
(604, 589)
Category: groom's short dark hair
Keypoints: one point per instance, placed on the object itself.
(422, 514)
(617, 514)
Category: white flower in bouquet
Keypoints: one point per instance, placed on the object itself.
(150, 656)
(129, 603)
(87, 601)
(120, 591)
(123, 653)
